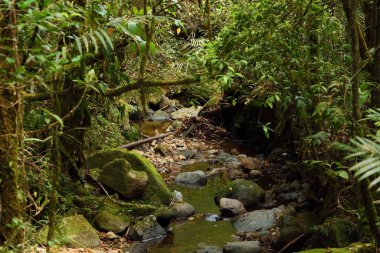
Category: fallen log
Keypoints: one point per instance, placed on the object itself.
(143, 141)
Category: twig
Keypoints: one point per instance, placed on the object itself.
(291, 243)
(143, 141)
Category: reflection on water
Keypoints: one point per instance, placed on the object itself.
(187, 235)
(150, 128)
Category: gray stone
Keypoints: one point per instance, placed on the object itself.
(159, 116)
(111, 235)
(147, 229)
(231, 207)
(186, 112)
(224, 157)
(118, 176)
(195, 178)
(242, 247)
(255, 173)
(188, 153)
(258, 220)
(249, 193)
(183, 210)
(283, 188)
(296, 185)
(164, 101)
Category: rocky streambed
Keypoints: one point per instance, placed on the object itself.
(196, 190)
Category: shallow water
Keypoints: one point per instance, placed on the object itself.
(187, 235)
(151, 128)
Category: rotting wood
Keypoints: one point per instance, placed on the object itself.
(143, 141)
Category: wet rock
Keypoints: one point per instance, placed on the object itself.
(242, 247)
(213, 217)
(224, 157)
(290, 196)
(196, 178)
(231, 207)
(147, 229)
(296, 185)
(249, 193)
(255, 173)
(283, 188)
(251, 163)
(73, 231)
(258, 220)
(111, 219)
(186, 113)
(118, 176)
(183, 210)
(164, 101)
(159, 116)
(177, 196)
(209, 249)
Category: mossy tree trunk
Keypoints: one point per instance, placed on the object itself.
(365, 193)
(12, 201)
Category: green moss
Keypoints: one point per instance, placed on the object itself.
(156, 189)
(353, 248)
(73, 231)
(112, 218)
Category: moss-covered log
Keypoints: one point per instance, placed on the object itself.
(116, 91)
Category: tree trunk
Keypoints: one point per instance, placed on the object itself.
(365, 193)
(375, 94)
(12, 201)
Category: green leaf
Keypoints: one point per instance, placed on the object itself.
(133, 28)
(342, 174)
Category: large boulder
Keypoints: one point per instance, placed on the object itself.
(72, 231)
(156, 189)
(120, 177)
(112, 219)
(258, 220)
(147, 229)
(249, 193)
(242, 247)
(195, 178)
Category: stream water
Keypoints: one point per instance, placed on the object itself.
(188, 235)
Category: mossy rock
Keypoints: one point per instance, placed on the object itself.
(156, 188)
(249, 193)
(73, 231)
(111, 218)
(353, 248)
(120, 177)
(303, 223)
